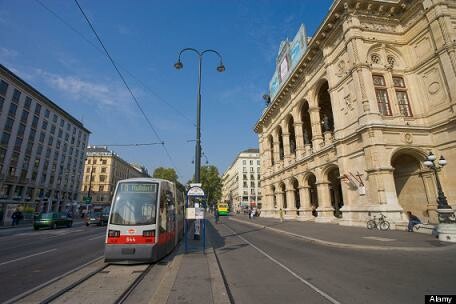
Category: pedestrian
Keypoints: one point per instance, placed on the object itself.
(413, 220)
(16, 217)
(216, 216)
(281, 215)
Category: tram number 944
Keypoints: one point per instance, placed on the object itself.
(130, 239)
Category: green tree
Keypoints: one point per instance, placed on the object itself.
(168, 174)
(211, 183)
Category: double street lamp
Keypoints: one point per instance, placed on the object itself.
(220, 68)
(447, 219)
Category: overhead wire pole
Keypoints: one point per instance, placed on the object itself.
(126, 85)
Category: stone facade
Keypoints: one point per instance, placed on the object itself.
(241, 181)
(347, 134)
(103, 169)
(42, 149)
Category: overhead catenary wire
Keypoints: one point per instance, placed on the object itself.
(127, 86)
(142, 83)
(129, 145)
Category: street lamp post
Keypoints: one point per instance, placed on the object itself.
(178, 65)
(447, 219)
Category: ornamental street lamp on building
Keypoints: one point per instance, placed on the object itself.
(221, 68)
(447, 219)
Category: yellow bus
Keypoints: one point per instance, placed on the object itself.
(222, 209)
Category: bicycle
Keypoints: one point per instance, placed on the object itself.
(380, 224)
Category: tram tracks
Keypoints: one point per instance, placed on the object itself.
(103, 283)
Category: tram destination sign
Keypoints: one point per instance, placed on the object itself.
(138, 187)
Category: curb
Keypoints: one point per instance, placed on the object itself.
(345, 245)
(219, 291)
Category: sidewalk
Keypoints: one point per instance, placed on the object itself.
(195, 278)
(346, 236)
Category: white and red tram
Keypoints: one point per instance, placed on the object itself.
(145, 222)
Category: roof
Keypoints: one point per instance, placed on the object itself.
(251, 150)
(42, 97)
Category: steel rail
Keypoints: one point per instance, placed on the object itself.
(124, 296)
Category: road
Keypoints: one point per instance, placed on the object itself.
(263, 266)
(29, 258)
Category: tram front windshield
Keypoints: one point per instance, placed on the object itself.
(135, 204)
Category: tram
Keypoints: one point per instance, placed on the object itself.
(145, 222)
(222, 209)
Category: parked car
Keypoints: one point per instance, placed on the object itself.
(52, 220)
(99, 218)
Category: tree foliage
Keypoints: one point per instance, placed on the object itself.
(168, 174)
(211, 183)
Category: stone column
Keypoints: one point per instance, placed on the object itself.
(276, 152)
(299, 140)
(305, 212)
(299, 137)
(325, 210)
(286, 147)
(291, 200)
(317, 137)
(279, 200)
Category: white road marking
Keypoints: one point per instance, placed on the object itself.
(378, 238)
(97, 237)
(28, 256)
(310, 285)
(30, 291)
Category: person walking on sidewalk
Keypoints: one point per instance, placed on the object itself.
(17, 216)
(216, 216)
(413, 220)
(281, 215)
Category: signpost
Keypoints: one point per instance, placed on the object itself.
(195, 213)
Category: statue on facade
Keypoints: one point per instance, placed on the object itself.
(306, 137)
(325, 123)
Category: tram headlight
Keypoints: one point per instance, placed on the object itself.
(149, 233)
(113, 233)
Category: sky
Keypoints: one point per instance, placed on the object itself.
(49, 44)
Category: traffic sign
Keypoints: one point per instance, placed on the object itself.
(88, 199)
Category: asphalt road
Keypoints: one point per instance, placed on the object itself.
(29, 258)
(263, 266)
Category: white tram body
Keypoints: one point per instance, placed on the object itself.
(145, 222)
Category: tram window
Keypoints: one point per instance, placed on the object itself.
(163, 207)
(133, 207)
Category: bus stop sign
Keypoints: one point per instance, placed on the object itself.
(195, 191)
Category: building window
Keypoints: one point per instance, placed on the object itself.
(251, 163)
(103, 170)
(37, 109)
(50, 140)
(9, 124)
(382, 95)
(101, 188)
(24, 116)
(5, 138)
(102, 178)
(27, 103)
(54, 118)
(244, 162)
(12, 110)
(53, 129)
(35, 122)
(3, 87)
(244, 169)
(401, 95)
(47, 113)
(16, 96)
(2, 102)
(21, 130)
(251, 169)
(18, 144)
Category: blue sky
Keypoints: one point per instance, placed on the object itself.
(144, 38)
